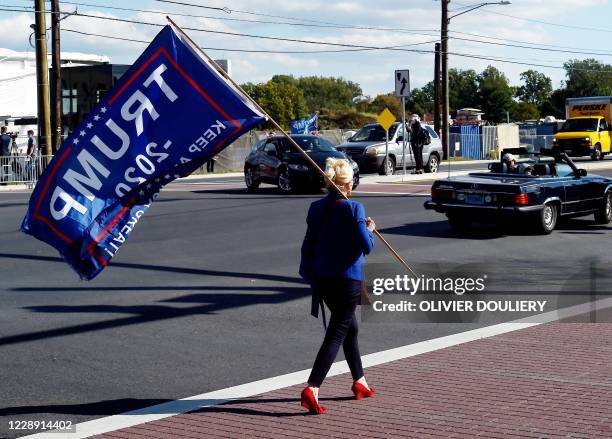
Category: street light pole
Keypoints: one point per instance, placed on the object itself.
(437, 90)
(56, 78)
(444, 59)
(444, 41)
(42, 76)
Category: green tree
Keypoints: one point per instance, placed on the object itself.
(321, 92)
(495, 94)
(420, 101)
(522, 111)
(393, 103)
(555, 106)
(588, 78)
(536, 89)
(282, 100)
(463, 89)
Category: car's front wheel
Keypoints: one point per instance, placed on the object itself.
(433, 164)
(249, 178)
(604, 213)
(284, 181)
(596, 154)
(355, 181)
(387, 167)
(547, 219)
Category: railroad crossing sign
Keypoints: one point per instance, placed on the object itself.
(402, 83)
(386, 119)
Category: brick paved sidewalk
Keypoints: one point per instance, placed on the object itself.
(548, 381)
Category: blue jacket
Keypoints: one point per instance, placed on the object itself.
(5, 145)
(336, 239)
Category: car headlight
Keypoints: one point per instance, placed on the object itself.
(371, 151)
(354, 164)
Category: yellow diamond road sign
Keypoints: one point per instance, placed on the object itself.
(386, 119)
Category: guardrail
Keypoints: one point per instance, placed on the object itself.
(21, 169)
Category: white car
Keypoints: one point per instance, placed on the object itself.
(367, 148)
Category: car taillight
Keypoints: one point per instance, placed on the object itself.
(441, 194)
(521, 199)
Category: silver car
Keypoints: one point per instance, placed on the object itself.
(367, 148)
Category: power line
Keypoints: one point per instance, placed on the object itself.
(344, 45)
(548, 23)
(534, 48)
(531, 46)
(421, 51)
(251, 50)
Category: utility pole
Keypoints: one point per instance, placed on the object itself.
(437, 89)
(445, 103)
(56, 78)
(42, 78)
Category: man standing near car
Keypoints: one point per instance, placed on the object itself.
(416, 142)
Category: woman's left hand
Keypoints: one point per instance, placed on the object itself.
(370, 224)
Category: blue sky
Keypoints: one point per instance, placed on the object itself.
(373, 70)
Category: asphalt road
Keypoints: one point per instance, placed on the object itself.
(206, 295)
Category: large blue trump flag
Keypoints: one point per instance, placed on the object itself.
(167, 116)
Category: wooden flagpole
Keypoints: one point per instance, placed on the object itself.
(289, 138)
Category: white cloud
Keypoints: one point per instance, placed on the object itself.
(14, 32)
(373, 69)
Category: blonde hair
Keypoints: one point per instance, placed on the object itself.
(339, 171)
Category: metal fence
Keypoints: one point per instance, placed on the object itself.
(485, 146)
(21, 169)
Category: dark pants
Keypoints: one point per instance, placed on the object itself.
(417, 151)
(341, 297)
(210, 165)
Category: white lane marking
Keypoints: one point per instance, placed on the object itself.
(173, 408)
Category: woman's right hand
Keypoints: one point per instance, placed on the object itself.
(370, 224)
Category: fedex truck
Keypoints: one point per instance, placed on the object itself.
(587, 130)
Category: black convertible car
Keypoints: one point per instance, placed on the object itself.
(538, 187)
(275, 161)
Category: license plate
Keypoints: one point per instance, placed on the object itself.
(475, 199)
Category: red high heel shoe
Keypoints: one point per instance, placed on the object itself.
(309, 401)
(361, 391)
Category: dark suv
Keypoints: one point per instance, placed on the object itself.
(275, 161)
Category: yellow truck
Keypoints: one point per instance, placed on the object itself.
(587, 130)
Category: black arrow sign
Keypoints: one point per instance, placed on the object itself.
(404, 82)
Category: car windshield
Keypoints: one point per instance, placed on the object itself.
(314, 144)
(572, 125)
(532, 164)
(373, 133)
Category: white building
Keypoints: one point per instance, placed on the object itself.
(18, 79)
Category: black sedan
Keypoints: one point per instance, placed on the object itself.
(276, 161)
(538, 187)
